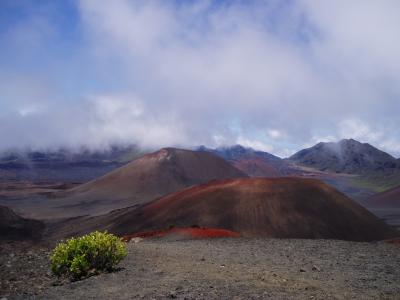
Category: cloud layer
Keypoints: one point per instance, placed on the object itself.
(276, 75)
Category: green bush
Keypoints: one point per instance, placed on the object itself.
(87, 255)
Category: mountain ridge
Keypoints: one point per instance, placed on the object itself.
(346, 156)
(64, 165)
(253, 162)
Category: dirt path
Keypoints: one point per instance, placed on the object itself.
(245, 269)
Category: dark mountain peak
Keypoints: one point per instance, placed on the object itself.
(240, 148)
(338, 146)
(236, 152)
(345, 156)
(203, 148)
(253, 162)
(350, 142)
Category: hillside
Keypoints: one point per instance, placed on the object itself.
(390, 198)
(367, 170)
(14, 227)
(143, 180)
(254, 207)
(346, 156)
(253, 162)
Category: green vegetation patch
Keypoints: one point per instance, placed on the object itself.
(87, 255)
(377, 184)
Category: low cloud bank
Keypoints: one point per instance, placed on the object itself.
(275, 75)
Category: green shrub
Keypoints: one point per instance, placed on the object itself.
(87, 255)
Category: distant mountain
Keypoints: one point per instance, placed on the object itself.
(347, 156)
(253, 162)
(64, 165)
(14, 227)
(254, 207)
(238, 152)
(142, 180)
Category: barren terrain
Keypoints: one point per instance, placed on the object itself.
(254, 207)
(234, 268)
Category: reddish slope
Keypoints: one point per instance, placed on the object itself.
(254, 207)
(145, 179)
(386, 199)
(257, 167)
(192, 232)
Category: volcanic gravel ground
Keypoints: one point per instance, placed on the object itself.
(24, 270)
(225, 269)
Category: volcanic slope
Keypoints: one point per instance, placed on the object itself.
(387, 199)
(252, 162)
(254, 207)
(14, 227)
(346, 156)
(145, 179)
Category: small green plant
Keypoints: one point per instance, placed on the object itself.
(90, 254)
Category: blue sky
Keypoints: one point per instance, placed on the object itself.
(274, 75)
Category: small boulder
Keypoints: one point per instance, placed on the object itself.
(136, 240)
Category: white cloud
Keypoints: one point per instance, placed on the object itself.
(213, 66)
(202, 72)
(275, 134)
(125, 118)
(255, 144)
(358, 130)
(30, 110)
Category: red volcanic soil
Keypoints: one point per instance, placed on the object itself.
(143, 180)
(257, 167)
(253, 207)
(394, 241)
(191, 232)
(390, 198)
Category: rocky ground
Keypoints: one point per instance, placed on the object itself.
(24, 270)
(218, 269)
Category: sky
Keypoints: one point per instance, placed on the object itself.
(275, 75)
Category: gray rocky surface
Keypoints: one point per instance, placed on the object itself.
(222, 269)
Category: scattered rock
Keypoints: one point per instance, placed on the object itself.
(315, 268)
(168, 270)
(172, 295)
(136, 240)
